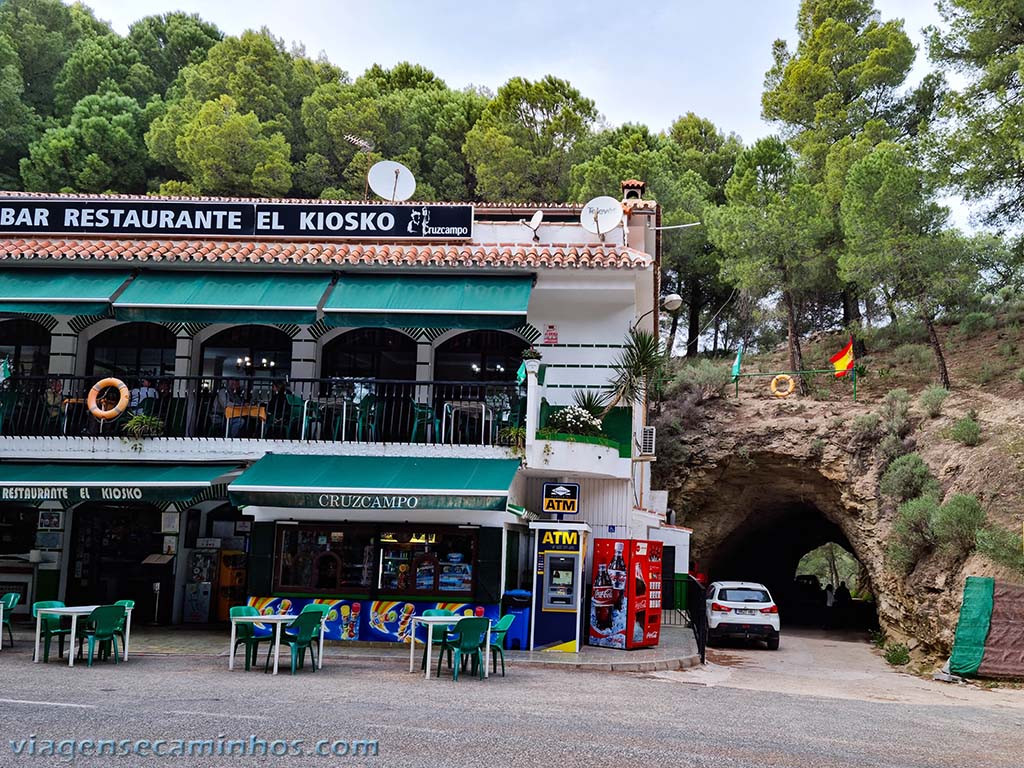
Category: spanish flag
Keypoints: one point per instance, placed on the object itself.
(842, 360)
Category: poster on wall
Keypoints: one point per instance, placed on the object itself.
(51, 518)
(169, 522)
(170, 546)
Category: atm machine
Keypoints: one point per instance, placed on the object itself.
(558, 583)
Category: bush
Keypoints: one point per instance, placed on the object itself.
(889, 449)
(574, 421)
(912, 532)
(967, 431)
(1020, 375)
(975, 323)
(956, 524)
(897, 654)
(895, 412)
(704, 378)
(907, 478)
(916, 357)
(932, 399)
(1001, 546)
(877, 637)
(865, 427)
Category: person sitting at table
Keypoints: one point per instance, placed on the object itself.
(228, 395)
(144, 391)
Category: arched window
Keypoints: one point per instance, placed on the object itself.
(370, 353)
(479, 356)
(260, 351)
(131, 350)
(26, 344)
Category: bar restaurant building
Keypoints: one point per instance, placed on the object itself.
(211, 401)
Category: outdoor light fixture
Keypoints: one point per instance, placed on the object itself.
(670, 303)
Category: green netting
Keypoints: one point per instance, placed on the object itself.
(972, 629)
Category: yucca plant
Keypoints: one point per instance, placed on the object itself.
(636, 367)
(591, 401)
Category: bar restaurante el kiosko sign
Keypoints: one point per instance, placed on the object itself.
(70, 216)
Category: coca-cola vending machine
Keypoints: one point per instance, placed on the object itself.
(625, 605)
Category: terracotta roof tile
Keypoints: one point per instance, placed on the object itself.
(140, 252)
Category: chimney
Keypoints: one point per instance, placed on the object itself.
(633, 189)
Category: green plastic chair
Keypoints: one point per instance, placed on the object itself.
(300, 635)
(51, 627)
(467, 642)
(120, 631)
(293, 416)
(366, 418)
(101, 627)
(10, 600)
(438, 634)
(498, 632)
(245, 632)
(424, 415)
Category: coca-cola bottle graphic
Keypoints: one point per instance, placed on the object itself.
(617, 573)
(603, 600)
(641, 585)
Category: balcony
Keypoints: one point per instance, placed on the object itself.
(327, 415)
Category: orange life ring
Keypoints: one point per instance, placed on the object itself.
(786, 379)
(109, 413)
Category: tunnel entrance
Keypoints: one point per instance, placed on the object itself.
(776, 545)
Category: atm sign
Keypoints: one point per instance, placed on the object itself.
(561, 498)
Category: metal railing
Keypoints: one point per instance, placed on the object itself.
(334, 409)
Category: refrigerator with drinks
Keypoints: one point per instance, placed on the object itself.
(625, 605)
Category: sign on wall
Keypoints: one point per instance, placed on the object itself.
(69, 216)
(561, 499)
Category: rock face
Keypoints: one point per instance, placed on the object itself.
(762, 482)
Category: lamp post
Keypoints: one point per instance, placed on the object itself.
(670, 303)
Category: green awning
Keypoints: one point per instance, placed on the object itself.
(72, 483)
(58, 291)
(425, 301)
(373, 482)
(222, 297)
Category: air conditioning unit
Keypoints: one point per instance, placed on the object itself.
(647, 441)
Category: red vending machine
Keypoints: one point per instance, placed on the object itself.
(625, 606)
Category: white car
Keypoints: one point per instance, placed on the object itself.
(744, 610)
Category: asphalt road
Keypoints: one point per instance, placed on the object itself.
(801, 706)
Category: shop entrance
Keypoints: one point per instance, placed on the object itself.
(108, 545)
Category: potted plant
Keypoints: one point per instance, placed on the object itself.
(531, 357)
(143, 426)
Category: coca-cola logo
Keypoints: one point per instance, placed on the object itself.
(641, 603)
(651, 636)
(603, 596)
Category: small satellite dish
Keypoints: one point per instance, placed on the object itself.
(601, 215)
(534, 223)
(391, 181)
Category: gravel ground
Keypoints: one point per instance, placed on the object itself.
(533, 717)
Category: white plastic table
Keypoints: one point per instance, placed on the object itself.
(278, 620)
(434, 621)
(466, 406)
(74, 611)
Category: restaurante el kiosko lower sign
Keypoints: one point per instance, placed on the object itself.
(62, 216)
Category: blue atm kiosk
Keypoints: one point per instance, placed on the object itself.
(558, 555)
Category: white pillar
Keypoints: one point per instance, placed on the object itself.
(532, 403)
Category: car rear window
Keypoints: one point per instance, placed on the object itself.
(745, 595)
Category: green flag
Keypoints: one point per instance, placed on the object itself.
(5, 369)
(521, 373)
(736, 363)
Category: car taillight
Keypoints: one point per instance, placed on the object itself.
(721, 608)
(770, 609)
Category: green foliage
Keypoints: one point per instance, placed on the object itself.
(1001, 546)
(976, 323)
(514, 438)
(704, 378)
(877, 638)
(916, 357)
(637, 365)
(907, 478)
(527, 139)
(957, 522)
(966, 431)
(897, 654)
(832, 564)
(816, 449)
(890, 448)
(591, 401)
(912, 534)
(931, 400)
(99, 150)
(1020, 375)
(140, 426)
(865, 427)
(169, 42)
(895, 412)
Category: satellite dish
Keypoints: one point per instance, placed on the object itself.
(534, 223)
(391, 181)
(601, 215)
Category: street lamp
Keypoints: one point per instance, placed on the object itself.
(670, 303)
